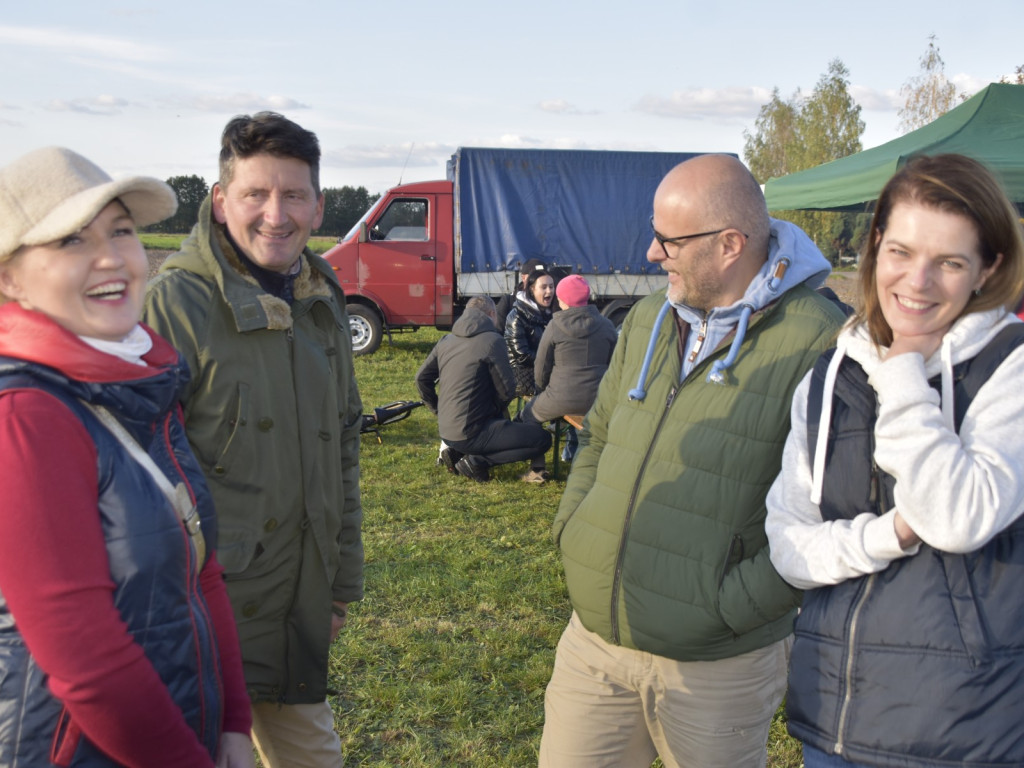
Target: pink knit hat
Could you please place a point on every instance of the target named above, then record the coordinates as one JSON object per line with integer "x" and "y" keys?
{"x": 573, "y": 290}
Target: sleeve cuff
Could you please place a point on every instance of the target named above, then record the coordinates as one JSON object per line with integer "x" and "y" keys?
{"x": 881, "y": 542}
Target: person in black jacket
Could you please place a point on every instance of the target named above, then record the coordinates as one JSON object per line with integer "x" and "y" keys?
{"x": 504, "y": 305}
{"x": 467, "y": 382}
{"x": 525, "y": 325}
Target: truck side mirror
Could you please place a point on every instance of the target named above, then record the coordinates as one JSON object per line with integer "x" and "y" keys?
{"x": 363, "y": 237}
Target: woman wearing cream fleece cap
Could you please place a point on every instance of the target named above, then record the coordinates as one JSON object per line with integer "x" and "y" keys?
{"x": 117, "y": 642}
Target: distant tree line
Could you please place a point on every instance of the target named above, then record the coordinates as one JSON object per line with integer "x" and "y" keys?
{"x": 803, "y": 131}
{"x": 343, "y": 207}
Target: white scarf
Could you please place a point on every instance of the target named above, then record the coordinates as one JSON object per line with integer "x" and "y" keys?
{"x": 131, "y": 348}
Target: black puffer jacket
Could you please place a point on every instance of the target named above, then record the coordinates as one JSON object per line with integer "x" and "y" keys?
{"x": 523, "y": 329}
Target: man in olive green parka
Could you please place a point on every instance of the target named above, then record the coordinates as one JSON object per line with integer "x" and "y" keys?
{"x": 273, "y": 415}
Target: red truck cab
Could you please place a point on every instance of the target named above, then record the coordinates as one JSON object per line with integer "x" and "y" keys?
{"x": 395, "y": 265}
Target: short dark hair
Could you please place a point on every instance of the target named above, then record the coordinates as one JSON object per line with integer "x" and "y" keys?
{"x": 483, "y": 303}
{"x": 267, "y": 133}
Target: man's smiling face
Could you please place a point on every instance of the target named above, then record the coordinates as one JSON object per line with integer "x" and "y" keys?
{"x": 270, "y": 208}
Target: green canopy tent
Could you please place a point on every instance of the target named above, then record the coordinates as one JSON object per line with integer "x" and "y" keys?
{"x": 988, "y": 127}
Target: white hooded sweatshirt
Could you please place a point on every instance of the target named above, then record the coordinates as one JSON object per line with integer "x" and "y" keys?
{"x": 956, "y": 492}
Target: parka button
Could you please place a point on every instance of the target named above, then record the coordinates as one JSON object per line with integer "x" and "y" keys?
{"x": 266, "y": 424}
{"x": 324, "y": 434}
{"x": 270, "y": 525}
{"x": 302, "y": 687}
{"x": 219, "y": 470}
{"x": 249, "y": 610}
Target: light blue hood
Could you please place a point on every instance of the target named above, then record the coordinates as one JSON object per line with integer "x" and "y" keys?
{"x": 793, "y": 258}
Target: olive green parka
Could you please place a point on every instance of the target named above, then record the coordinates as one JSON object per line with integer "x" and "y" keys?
{"x": 273, "y": 415}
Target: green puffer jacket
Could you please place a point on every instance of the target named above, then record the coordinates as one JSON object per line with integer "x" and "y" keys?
{"x": 661, "y": 526}
{"x": 273, "y": 414}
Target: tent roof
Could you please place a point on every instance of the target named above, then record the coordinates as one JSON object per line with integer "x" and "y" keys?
{"x": 988, "y": 127}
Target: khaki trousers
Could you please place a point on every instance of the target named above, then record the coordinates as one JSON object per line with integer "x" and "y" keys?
{"x": 613, "y": 707}
{"x": 296, "y": 735}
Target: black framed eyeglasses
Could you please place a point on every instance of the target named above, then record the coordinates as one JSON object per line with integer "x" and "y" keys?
{"x": 682, "y": 238}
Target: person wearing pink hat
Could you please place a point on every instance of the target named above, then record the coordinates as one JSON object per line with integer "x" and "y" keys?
{"x": 119, "y": 647}
{"x": 572, "y": 357}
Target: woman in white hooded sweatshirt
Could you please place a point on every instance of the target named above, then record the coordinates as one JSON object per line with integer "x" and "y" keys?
{"x": 898, "y": 508}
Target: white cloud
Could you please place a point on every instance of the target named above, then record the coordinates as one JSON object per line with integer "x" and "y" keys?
{"x": 969, "y": 84}
{"x": 563, "y": 107}
{"x": 68, "y": 42}
{"x": 388, "y": 155}
{"x": 874, "y": 100}
{"x": 97, "y": 105}
{"x": 239, "y": 102}
{"x": 707, "y": 103}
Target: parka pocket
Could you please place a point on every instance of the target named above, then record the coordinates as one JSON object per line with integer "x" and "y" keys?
{"x": 235, "y": 432}
{"x": 236, "y": 548}
{"x": 969, "y": 622}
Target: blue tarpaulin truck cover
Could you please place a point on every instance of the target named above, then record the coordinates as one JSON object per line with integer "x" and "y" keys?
{"x": 585, "y": 209}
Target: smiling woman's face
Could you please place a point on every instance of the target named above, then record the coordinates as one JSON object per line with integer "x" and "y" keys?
{"x": 92, "y": 282}
{"x": 929, "y": 262}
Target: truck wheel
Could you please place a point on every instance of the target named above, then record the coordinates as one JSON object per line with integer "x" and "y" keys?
{"x": 366, "y": 329}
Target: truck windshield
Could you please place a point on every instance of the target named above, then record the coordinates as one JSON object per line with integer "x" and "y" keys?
{"x": 364, "y": 217}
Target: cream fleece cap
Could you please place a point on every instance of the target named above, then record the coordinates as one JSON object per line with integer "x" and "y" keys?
{"x": 53, "y": 192}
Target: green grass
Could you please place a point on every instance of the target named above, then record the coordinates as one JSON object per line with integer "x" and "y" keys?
{"x": 161, "y": 242}
{"x": 444, "y": 662}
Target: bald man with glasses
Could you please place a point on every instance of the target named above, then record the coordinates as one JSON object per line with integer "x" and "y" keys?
{"x": 680, "y": 633}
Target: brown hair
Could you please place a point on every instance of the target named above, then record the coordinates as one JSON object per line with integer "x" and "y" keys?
{"x": 267, "y": 133}
{"x": 959, "y": 185}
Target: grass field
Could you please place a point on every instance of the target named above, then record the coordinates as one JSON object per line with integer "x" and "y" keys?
{"x": 445, "y": 661}
{"x": 173, "y": 242}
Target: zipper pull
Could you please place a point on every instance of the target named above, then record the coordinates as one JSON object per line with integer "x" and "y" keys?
{"x": 875, "y": 493}
{"x": 701, "y": 334}
{"x": 671, "y": 397}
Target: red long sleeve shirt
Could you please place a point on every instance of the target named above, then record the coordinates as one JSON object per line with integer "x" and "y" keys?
{"x": 54, "y": 574}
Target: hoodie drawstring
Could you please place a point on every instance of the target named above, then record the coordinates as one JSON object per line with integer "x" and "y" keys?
{"x": 717, "y": 373}
{"x": 947, "y": 383}
{"x": 824, "y": 422}
{"x": 640, "y": 391}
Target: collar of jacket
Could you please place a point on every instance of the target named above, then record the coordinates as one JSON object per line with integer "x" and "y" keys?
{"x": 207, "y": 253}
{"x": 253, "y": 307}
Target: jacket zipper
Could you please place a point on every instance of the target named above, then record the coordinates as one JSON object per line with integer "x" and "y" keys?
{"x": 875, "y": 497}
{"x": 624, "y": 536}
{"x": 192, "y": 587}
{"x": 848, "y": 671}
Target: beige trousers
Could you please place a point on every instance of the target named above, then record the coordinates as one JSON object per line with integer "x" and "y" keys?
{"x": 296, "y": 735}
{"x": 613, "y": 707}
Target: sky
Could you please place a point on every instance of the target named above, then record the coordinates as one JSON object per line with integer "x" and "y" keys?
{"x": 392, "y": 88}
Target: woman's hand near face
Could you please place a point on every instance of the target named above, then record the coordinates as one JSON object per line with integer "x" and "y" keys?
{"x": 926, "y": 344}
